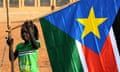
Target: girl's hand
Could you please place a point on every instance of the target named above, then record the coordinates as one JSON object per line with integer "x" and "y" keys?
{"x": 29, "y": 26}
{"x": 10, "y": 41}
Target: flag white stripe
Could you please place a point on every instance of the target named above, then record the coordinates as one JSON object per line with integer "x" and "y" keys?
{"x": 82, "y": 57}
{"x": 115, "y": 49}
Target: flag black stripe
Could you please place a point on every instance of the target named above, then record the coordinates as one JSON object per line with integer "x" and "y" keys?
{"x": 116, "y": 29}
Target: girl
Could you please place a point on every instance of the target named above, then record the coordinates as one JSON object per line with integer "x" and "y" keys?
{"x": 27, "y": 51}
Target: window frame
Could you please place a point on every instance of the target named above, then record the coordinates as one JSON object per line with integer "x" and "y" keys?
{"x": 2, "y": 3}
{"x": 14, "y": 5}
{"x": 34, "y": 4}
{"x": 58, "y": 5}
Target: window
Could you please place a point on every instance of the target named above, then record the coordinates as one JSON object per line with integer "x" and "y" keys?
{"x": 29, "y": 2}
{"x": 14, "y": 3}
{"x": 45, "y": 2}
{"x": 61, "y": 2}
{"x": 1, "y": 3}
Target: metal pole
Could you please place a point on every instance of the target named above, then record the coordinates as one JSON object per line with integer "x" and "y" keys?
{"x": 9, "y": 36}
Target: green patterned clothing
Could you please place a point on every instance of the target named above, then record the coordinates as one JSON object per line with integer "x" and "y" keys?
{"x": 27, "y": 57}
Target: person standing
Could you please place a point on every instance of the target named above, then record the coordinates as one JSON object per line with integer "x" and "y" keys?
{"x": 27, "y": 51}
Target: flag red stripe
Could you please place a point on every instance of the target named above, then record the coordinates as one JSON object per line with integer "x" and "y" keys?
{"x": 104, "y": 62}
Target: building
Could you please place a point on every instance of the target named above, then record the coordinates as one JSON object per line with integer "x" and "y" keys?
{"x": 29, "y": 9}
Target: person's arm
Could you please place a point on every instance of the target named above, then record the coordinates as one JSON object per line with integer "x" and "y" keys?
{"x": 15, "y": 54}
{"x": 32, "y": 38}
{"x": 14, "y": 57}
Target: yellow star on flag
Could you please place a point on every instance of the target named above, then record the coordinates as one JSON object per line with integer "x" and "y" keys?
{"x": 91, "y": 24}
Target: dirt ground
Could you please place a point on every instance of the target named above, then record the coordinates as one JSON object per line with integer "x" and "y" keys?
{"x": 43, "y": 60}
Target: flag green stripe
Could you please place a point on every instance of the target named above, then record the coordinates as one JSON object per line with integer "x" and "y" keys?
{"x": 62, "y": 49}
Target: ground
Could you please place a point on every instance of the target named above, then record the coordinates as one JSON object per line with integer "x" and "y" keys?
{"x": 43, "y": 60}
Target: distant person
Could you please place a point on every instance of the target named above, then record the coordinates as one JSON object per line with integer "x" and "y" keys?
{"x": 27, "y": 51}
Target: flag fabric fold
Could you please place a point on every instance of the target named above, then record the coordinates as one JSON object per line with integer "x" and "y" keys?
{"x": 116, "y": 29}
{"x": 77, "y": 37}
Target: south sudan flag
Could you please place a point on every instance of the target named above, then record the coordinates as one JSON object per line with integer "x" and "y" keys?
{"x": 80, "y": 37}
